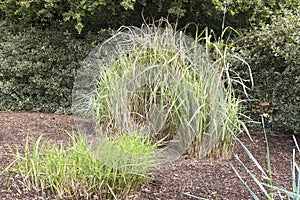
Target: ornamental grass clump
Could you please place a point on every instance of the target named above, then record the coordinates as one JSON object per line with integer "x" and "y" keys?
{"x": 75, "y": 170}
{"x": 162, "y": 83}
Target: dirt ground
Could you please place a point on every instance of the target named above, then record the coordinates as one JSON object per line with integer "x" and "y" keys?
{"x": 206, "y": 178}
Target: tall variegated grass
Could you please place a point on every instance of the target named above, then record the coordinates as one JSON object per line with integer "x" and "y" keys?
{"x": 110, "y": 169}
{"x": 171, "y": 86}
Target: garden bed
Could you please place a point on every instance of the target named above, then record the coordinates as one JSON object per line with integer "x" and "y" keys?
{"x": 207, "y": 177}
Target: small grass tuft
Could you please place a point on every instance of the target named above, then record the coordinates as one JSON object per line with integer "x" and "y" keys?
{"x": 110, "y": 170}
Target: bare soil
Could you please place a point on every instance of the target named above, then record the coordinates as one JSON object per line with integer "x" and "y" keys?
{"x": 207, "y": 177}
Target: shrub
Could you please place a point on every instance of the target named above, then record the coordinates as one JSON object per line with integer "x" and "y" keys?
{"x": 273, "y": 52}
{"x": 249, "y": 14}
{"x": 37, "y": 68}
{"x": 88, "y": 15}
{"x": 43, "y": 13}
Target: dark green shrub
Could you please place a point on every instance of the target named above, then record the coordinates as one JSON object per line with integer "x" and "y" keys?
{"x": 273, "y": 52}
{"x": 45, "y": 13}
{"x": 37, "y": 68}
{"x": 88, "y": 15}
{"x": 247, "y": 14}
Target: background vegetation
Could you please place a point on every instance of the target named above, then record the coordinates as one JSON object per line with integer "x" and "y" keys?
{"x": 89, "y": 15}
{"x": 273, "y": 52}
{"x": 43, "y": 43}
{"x": 38, "y": 67}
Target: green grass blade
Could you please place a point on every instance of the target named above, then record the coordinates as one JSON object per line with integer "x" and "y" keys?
{"x": 245, "y": 184}
{"x": 258, "y": 182}
{"x": 193, "y": 196}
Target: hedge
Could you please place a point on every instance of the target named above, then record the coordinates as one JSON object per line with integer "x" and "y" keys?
{"x": 273, "y": 52}
{"x": 87, "y": 15}
{"x": 37, "y": 68}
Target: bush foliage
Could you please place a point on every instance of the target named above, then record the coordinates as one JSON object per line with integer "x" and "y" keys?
{"x": 91, "y": 15}
{"x": 37, "y": 68}
{"x": 273, "y": 52}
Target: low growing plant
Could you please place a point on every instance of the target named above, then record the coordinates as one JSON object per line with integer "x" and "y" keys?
{"x": 110, "y": 169}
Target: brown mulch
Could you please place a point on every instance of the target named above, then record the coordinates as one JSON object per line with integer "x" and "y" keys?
{"x": 207, "y": 177}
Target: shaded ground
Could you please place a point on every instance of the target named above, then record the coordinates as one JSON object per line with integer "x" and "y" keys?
{"x": 209, "y": 178}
